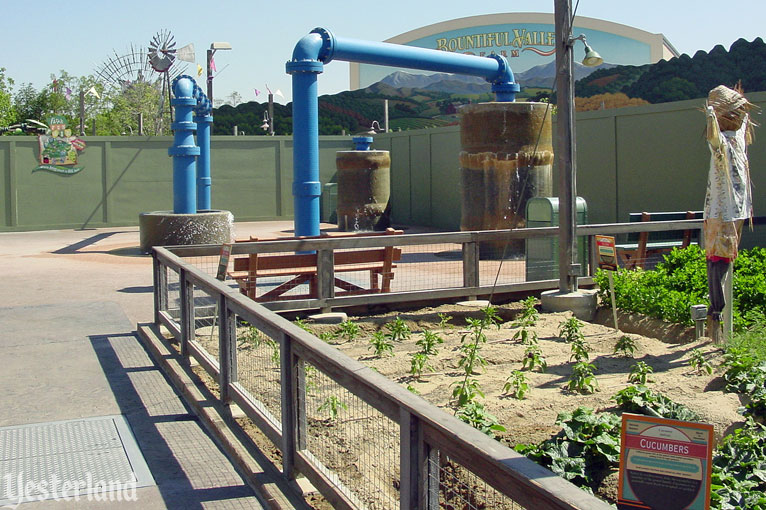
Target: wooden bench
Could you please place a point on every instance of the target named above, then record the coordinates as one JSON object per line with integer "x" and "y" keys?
{"x": 641, "y": 245}
{"x": 302, "y": 268}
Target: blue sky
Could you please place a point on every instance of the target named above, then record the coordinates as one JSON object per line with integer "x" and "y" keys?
{"x": 42, "y": 37}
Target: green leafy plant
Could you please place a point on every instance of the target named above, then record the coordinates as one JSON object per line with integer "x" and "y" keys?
{"x": 467, "y": 389}
{"x": 398, "y": 330}
{"x": 746, "y": 374}
{"x": 310, "y": 374}
{"x": 533, "y": 357}
{"x": 516, "y": 385}
{"x": 639, "y": 373}
{"x": 419, "y": 364}
{"x": 332, "y": 405}
{"x": 739, "y": 469}
{"x": 428, "y": 343}
{"x": 680, "y": 281}
{"x": 699, "y": 363}
{"x": 412, "y": 389}
{"x": 301, "y": 323}
{"x": 583, "y": 379}
{"x": 476, "y": 415}
{"x": 571, "y": 329}
{"x": 257, "y": 339}
{"x": 381, "y": 344}
{"x": 640, "y": 399}
{"x": 491, "y": 317}
{"x": 348, "y": 330}
{"x": 626, "y": 346}
{"x": 526, "y": 320}
{"x": 580, "y": 350}
{"x": 326, "y": 336}
{"x": 470, "y": 359}
{"x": 444, "y": 321}
{"x": 588, "y": 443}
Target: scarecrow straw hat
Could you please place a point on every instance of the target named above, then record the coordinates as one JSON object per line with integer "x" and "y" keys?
{"x": 731, "y": 108}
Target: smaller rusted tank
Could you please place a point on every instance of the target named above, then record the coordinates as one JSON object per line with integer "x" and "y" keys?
{"x": 364, "y": 188}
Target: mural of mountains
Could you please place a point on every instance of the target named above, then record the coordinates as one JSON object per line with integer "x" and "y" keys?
{"x": 538, "y": 76}
{"x": 418, "y": 101}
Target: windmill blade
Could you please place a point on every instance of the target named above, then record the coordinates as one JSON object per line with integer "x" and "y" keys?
{"x": 186, "y": 53}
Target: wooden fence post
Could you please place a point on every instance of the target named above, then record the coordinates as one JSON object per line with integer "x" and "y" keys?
{"x": 289, "y": 371}
{"x": 160, "y": 272}
{"x": 227, "y": 348}
{"x": 187, "y": 312}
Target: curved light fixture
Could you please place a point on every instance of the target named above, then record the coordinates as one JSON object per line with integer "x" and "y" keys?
{"x": 592, "y": 58}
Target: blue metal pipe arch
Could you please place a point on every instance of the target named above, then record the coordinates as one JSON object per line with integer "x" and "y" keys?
{"x": 321, "y": 47}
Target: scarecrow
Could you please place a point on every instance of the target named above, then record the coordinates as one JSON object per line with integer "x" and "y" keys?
{"x": 728, "y": 201}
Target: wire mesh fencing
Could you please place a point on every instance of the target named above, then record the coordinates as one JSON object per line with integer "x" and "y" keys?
{"x": 460, "y": 488}
{"x": 258, "y": 369}
{"x": 355, "y": 446}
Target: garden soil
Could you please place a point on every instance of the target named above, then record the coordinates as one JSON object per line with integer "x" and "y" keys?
{"x": 665, "y": 347}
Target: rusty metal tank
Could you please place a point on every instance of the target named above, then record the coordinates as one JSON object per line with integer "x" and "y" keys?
{"x": 506, "y": 159}
{"x": 364, "y": 188}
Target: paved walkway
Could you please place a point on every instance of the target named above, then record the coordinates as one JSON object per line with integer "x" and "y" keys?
{"x": 69, "y": 304}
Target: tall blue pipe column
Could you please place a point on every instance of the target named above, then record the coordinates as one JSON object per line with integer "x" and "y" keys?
{"x": 306, "y": 185}
{"x": 320, "y": 47}
{"x": 203, "y": 162}
{"x": 184, "y": 150}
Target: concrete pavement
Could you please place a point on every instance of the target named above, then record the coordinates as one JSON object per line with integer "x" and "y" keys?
{"x": 69, "y": 304}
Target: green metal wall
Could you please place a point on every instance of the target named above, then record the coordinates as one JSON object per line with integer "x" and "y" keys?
{"x": 650, "y": 158}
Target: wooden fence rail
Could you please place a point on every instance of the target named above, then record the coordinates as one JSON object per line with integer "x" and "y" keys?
{"x": 426, "y": 433}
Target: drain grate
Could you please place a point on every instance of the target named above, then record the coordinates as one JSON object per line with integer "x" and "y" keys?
{"x": 95, "y": 457}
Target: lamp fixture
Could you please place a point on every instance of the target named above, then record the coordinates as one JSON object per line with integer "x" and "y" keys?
{"x": 592, "y": 58}
{"x": 266, "y": 121}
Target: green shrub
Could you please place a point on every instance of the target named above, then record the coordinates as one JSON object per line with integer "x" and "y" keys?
{"x": 680, "y": 281}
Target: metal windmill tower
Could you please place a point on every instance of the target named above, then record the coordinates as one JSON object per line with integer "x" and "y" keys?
{"x": 123, "y": 71}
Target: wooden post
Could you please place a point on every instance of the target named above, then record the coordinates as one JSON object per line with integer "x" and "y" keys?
{"x": 289, "y": 370}
{"x": 227, "y": 348}
{"x": 187, "y": 312}
{"x": 325, "y": 274}
{"x": 413, "y": 461}
{"x": 160, "y": 287}
{"x": 471, "y": 264}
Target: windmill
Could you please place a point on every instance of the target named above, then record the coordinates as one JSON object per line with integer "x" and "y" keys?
{"x": 162, "y": 55}
{"x": 122, "y": 71}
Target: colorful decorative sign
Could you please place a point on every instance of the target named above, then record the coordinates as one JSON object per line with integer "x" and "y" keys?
{"x": 223, "y": 261}
{"x": 664, "y": 464}
{"x": 607, "y": 255}
{"x": 58, "y": 148}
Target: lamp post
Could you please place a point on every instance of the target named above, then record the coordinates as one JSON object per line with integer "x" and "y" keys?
{"x": 213, "y": 48}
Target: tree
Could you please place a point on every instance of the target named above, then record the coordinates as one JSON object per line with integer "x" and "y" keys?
{"x": 7, "y": 112}
{"x": 126, "y": 104}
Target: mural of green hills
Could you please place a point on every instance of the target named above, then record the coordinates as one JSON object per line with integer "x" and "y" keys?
{"x": 435, "y": 103}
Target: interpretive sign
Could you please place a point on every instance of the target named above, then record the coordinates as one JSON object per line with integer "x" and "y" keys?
{"x": 223, "y": 262}
{"x": 664, "y": 464}
{"x": 607, "y": 255}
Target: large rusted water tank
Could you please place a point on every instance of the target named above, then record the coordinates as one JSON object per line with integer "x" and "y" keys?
{"x": 506, "y": 158}
{"x": 364, "y": 187}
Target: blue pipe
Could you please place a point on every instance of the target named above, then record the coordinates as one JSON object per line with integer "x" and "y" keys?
{"x": 204, "y": 125}
{"x": 183, "y": 150}
{"x": 320, "y": 47}
{"x": 202, "y": 109}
